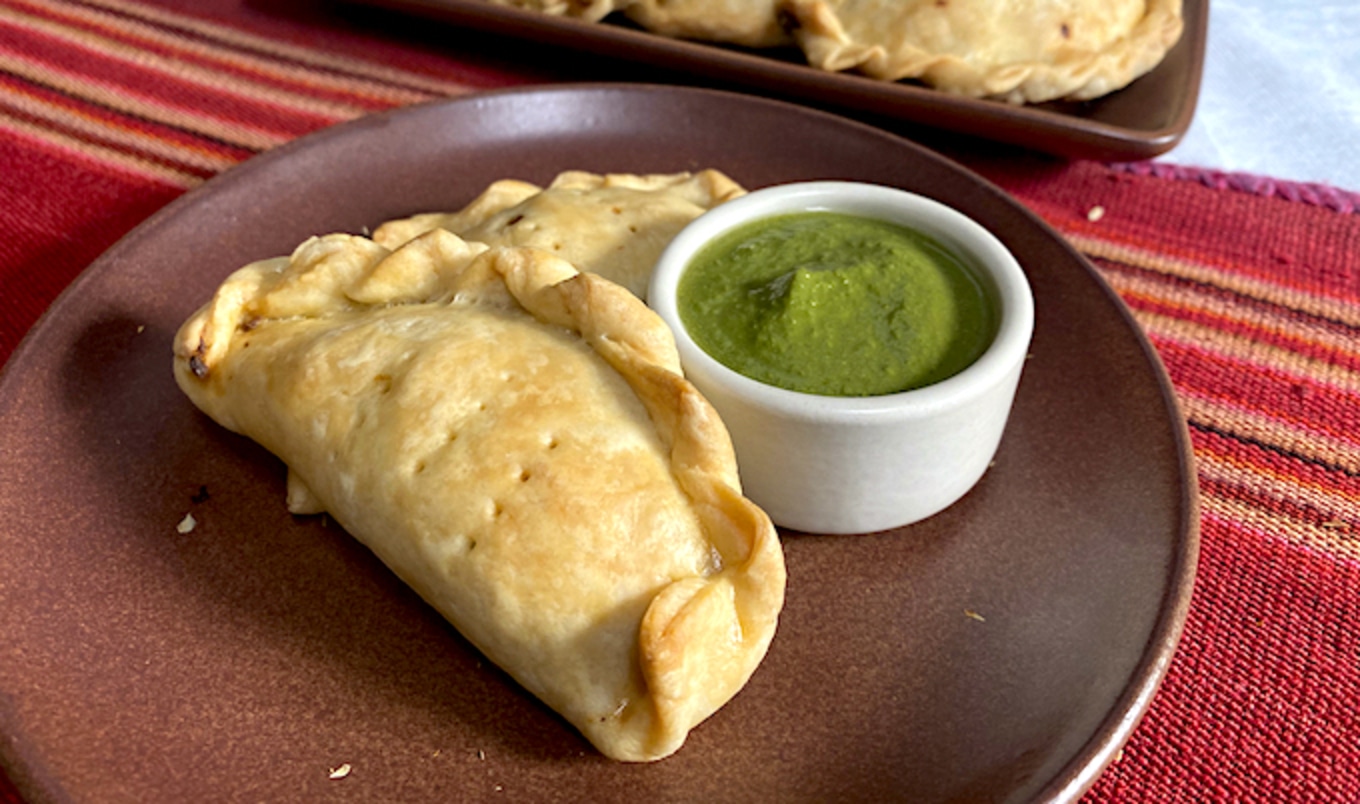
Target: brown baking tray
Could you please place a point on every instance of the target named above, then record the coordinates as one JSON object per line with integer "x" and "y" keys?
{"x": 1145, "y": 119}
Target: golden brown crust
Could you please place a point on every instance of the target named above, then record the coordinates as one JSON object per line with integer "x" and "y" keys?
{"x": 1028, "y": 51}
{"x": 1021, "y": 51}
{"x": 587, "y": 10}
{"x": 514, "y": 439}
{"x": 497, "y": 196}
{"x": 614, "y": 225}
{"x": 751, "y": 23}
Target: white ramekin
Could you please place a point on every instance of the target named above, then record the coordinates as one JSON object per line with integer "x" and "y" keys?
{"x": 826, "y": 464}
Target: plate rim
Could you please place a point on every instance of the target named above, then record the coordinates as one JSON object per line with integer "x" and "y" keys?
{"x": 1085, "y": 766}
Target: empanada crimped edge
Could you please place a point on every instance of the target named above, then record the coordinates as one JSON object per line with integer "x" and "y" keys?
{"x": 1071, "y": 74}
{"x": 701, "y": 637}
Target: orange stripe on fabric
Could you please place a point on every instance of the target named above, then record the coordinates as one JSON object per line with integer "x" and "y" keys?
{"x": 194, "y": 141}
{"x": 1106, "y": 247}
{"x": 140, "y": 167}
{"x": 44, "y": 110}
{"x": 166, "y": 88}
{"x": 244, "y": 64}
{"x": 124, "y": 100}
{"x": 1312, "y": 337}
{"x": 1269, "y": 524}
{"x": 1285, "y": 255}
{"x": 1341, "y": 453}
{"x": 306, "y": 56}
{"x": 1309, "y": 408}
{"x": 182, "y": 71}
{"x": 1237, "y": 388}
{"x": 1287, "y": 365}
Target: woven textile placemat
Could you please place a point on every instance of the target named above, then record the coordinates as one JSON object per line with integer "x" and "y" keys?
{"x": 1249, "y": 289}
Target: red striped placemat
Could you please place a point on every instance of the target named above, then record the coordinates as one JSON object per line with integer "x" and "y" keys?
{"x": 1253, "y": 303}
{"x": 1248, "y": 287}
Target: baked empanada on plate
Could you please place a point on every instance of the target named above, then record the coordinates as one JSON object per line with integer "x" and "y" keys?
{"x": 515, "y": 441}
{"x": 613, "y": 225}
{"x": 1016, "y": 50}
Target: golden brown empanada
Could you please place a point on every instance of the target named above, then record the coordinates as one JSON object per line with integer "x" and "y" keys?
{"x": 739, "y": 22}
{"x": 752, "y": 23}
{"x": 587, "y": 10}
{"x": 1017, "y": 50}
{"x": 513, "y": 439}
{"x": 613, "y": 225}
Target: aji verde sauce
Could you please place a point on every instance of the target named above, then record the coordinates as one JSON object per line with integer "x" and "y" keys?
{"x": 834, "y": 304}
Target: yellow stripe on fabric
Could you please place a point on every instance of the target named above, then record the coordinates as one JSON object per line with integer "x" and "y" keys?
{"x": 1293, "y": 298}
{"x": 1196, "y": 299}
{"x": 1236, "y": 347}
{"x": 100, "y": 128}
{"x": 1264, "y": 429}
{"x": 247, "y": 62}
{"x": 1333, "y": 542}
{"x": 317, "y": 58}
{"x": 140, "y": 167}
{"x": 120, "y": 99}
{"x": 185, "y": 72}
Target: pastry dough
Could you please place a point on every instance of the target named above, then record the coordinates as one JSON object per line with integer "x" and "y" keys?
{"x": 513, "y": 439}
{"x": 587, "y": 10}
{"x": 613, "y": 225}
{"x": 1016, "y": 50}
{"x": 752, "y": 23}
{"x": 738, "y": 22}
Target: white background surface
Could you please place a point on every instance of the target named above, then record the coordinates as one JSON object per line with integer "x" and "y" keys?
{"x": 1280, "y": 95}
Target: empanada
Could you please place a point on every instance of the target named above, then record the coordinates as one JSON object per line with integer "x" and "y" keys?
{"x": 513, "y": 439}
{"x": 752, "y": 23}
{"x": 1016, "y": 50}
{"x": 587, "y": 10}
{"x": 613, "y": 225}
{"x": 738, "y": 22}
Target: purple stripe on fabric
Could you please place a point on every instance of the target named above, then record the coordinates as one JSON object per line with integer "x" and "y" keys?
{"x": 1322, "y": 195}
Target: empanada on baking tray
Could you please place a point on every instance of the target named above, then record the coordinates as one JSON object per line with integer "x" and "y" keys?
{"x": 614, "y": 225}
{"x": 751, "y": 23}
{"x": 587, "y": 10}
{"x": 1017, "y": 50}
{"x": 515, "y": 441}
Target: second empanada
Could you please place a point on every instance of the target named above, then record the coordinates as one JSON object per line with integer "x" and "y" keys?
{"x": 613, "y": 225}
{"x": 752, "y": 23}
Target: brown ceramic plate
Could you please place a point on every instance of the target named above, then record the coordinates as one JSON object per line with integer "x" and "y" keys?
{"x": 1144, "y": 119}
{"x": 1000, "y": 651}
